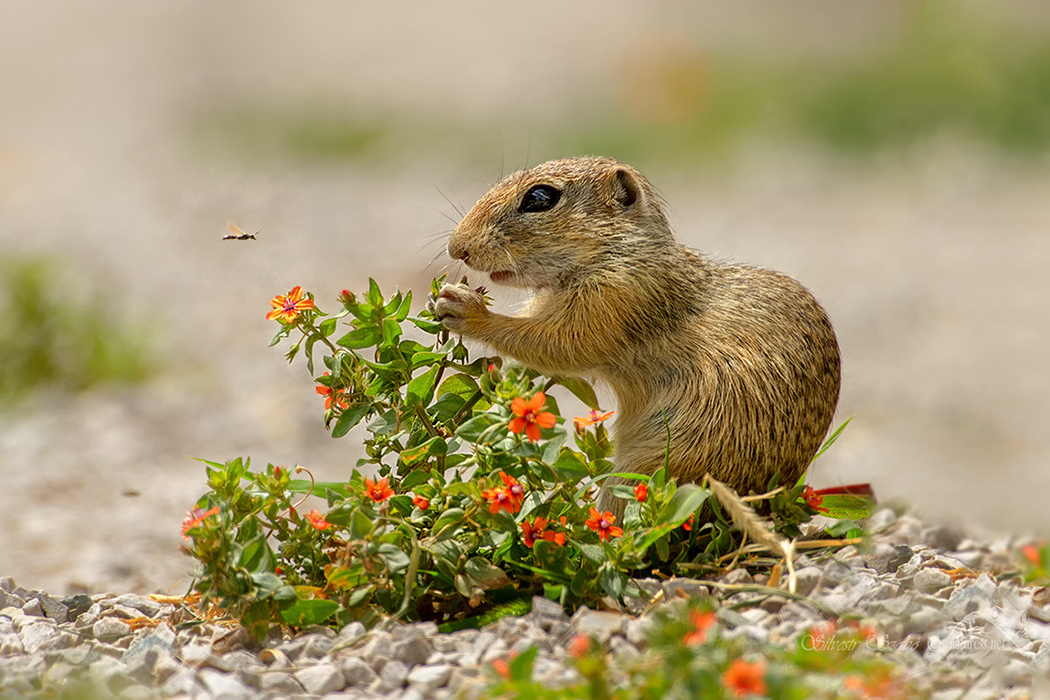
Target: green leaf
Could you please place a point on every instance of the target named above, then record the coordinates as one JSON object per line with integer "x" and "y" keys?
{"x": 446, "y": 524}
{"x": 592, "y": 553}
{"x": 349, "y": 418}
{"x": 686, "y": 500}
{"x": 305, "y": 613}
{"x": 420, "y": 391}
{"x": 484, "y": 574}
{"x": 396, "y": 559}
{"x": 385, "y": 424}
{"x": 405, "y": 308}
{"x": 613, "y": 580}
{"x": 472, "y": 429}
{"x": 394, "y": 305}
{"x": 426, "y": 324}
{"x": 391, "y": 331}
{"x": 521, "y": 666}
{"x": 434, "y": 446}
{"x": 327, "y": 326}
{"x": 415, "y": 478}
{"x": 361, "y": 338}
{"x": 427, "y": 357}
{"x": 831, "y": 440}
{"x": 581, "y": 389}
{"x": 569, "y": 466}
{"x": 375, "y": 297}
{"x": 846, "y": 505}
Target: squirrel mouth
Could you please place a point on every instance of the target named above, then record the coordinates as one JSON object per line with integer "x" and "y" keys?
{"x": 500, "y": 276}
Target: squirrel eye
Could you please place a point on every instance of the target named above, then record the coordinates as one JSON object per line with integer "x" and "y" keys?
{"x": 539, "y": 198}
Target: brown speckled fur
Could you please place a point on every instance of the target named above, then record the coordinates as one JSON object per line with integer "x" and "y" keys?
{"x": 741, "y": 361}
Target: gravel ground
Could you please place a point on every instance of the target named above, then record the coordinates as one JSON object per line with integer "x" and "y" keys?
{"x": 930, "y": 592}
{"x": 932, "y": 266}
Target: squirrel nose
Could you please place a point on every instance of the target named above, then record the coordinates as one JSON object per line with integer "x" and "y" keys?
{"x": 458, "y": 251}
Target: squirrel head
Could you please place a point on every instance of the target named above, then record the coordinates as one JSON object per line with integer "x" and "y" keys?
{"x": 539, "y": 228}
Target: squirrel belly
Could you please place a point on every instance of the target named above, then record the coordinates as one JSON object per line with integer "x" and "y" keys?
{"x": 740, "y": 364}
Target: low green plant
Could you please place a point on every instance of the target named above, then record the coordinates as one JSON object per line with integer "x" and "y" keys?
{"x": 690, "y": 657}
{"x": 56, "y": 337}
{"x": 480, "y": 499}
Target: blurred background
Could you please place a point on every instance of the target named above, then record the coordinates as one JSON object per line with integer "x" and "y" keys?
{"x": 890, "y": 154}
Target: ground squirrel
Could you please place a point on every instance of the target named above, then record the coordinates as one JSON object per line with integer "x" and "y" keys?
{"x": 741, "y": 363}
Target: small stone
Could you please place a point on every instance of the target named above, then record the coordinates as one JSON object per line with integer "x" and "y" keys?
{"x": 279, "y": 683}
{"x": 110, "y": 628}
{"x": 76, "y": 605}
{"x": 461, "y": 675}
{"x": 908, "y": 530}
{"x": 427, "y": 679}
{"x": 182, "y": 682}
{"x": 354, "y": 629}
{"x": 317, "y": 645}
{"x": 378, "y": 650}
{"x": 545, "y": 612}
{"x": 881, "y": 519}
{"x": 637, "y": 632}
{"x": 146, "y": 606}
{"x": 356, "y": 672}
{"x": 942, "y": 537}
{"x": 35, "y": 635}
{"x": 929, "y": 580}
{"x": 738, "y": 577}
{"x": 10, "y": 600}
{"x": 599, "y": 625}
{"x": 498, "y": 650}
{"x": 7, "y": 584}
{"x": 321, "y": 679}
{"x": 413, "y": 651}
{"x": 394, "y": 675}
{"x": 772, "y": 604}
{"x": 33, "y": 607}
{"x": 835, "y": 572}
{"x": 806, "y": 580}
{"x": 223, "y": 686}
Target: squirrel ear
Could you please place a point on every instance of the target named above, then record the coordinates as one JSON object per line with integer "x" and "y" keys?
{"x": 626, "y": 190}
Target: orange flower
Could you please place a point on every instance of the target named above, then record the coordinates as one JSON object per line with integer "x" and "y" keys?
{"x": 813, "y": 500}
{"x": 501, "y": 667}
{"x": 592, "y": 418}
{"x": 194, "y": 518}
{"x": 602, "y": 523}
{"x": 688, "y": 524}
{"x": 317, "y": 520}
{"x": 745, "y": 679}
{"x": 641, "y": 492}
{"x": 579, "y": 646}
{"x": 501, "y": 498}
{"x": 530, "y": 416}
{"x": 702, "y": 621}
{"x": 286, "y": 308}
{"x": 516, "y": 490}
{"x": 1032, "y": 554}
{"x": 420, "y": 502}
{"x": 537, "y": 530}
{"x": 878, "y": 684}
{"x": 337, "y": 397}
{"x": 378, "y": 492}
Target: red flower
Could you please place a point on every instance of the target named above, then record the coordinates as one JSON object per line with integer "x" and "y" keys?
{"x": 592, "y": 418}
{"x": 641, "y": 492}
{"x": 420, "y": 502}
{"x": 317, "y": 520}
{"x": 530, "y": 416}
{"x": 537, "y": 530}
{"x": 701, "y": 622}
{"x": 745, "y": 679}
{"x": 194, "y": 518}
{"x": 688, "y": 524}
{"x": 378, "y": 492}
{"x": 813, "y": 500}
{"x": 330, "y": 397}
{"x": 602, "y": 523}
{"x": 287, "y": 308}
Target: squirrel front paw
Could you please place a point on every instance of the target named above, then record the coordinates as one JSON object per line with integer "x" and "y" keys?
{"x": 456, "y": 305}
